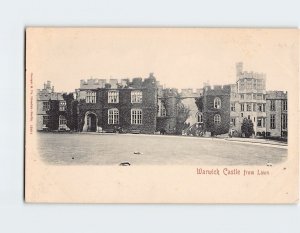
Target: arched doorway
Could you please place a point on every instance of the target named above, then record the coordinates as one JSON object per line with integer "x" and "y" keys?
{"x": 90, "y": 122}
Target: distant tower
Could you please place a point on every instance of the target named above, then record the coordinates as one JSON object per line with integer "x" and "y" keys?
{"x": 239, "y": 69}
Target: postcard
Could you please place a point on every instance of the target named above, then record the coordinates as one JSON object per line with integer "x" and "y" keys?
{"x": 161, "y": 115}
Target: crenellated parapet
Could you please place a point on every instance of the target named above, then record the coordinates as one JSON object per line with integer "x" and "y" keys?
{"x": 276, "y": 95}
{"x": 217, "y": 88}
{"x": 252, "y": 75}
{"x": 138, "y": 82}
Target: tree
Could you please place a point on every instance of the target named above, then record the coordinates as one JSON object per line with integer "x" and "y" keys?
{"x": 199, "y": 103}
{"x": 247, "y": 127}
{"x": 183, "y": 113}
{"x": 54, "y": 114}
{"x": 71, "y": 111}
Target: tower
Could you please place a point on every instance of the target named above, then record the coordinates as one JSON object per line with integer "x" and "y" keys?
{"x": 239, "y": 69}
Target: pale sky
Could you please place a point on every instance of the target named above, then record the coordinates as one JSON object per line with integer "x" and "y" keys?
{"x": 179, "y": 58}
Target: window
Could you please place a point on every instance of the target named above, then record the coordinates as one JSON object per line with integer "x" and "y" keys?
{"x": 264, "y": 107}
{"x": 242, "y": 107}
{"x": 46, "y": 106}
{"x": 233, "y": 107}
{"x": 248, "y": 85}
{"x": 248, "y": 107}
{"x": 62, "y": 105}
{"x": 249, "y": 117}
{"x": 46, "y": 120}
{"x": 264, "y": 122}
{"x": 217, "y": 119}
{"x": 161, "y": 109}
{"x": 113, "y": 97}
{"x": 254, "y": 107}
{"x": 113, "y": 116}
{"x": 199, "y": 116}
{"x": 259, "y": 107}
{"x": 136, "y": 116}
{"x": 254, "y": 96}
{"x": 217, "y": 103}
{"x": 242, "y": 96}
{"x": 259, "y": 122}
{"x": 242, "y": 114}
{"x": 136, "y": 96}
{"x": 259, "y": 97}
{"x": 272, "y": 105}
{"x": 284, "y": 107}
{"x": 233, "y": 121}
{"x": 284, "y": 121}
{"x": 62, "y": 120}
{"x": 259, "y": 84}
{"x": 242, "y": 85}
{"x": 248, "y": 96}
{"x": 90, "y": 97}
{"x": 272, "y": 121}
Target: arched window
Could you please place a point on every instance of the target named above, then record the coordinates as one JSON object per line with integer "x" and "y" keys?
{"x": 199, "y": 116}
{"x": 217, "y": 103}
{"x": 217, "y": 119}
{"x": 62, "y": 120}
{"x": 113, "y": 116}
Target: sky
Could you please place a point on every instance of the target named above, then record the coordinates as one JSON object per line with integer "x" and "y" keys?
{"x": 179, "y": 58}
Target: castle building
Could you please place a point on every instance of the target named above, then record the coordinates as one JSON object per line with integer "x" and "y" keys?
{"x": 45, "y": 99}
{"x": 216, "y": 109}
{"x": 277, "y": 114}
{"x": 248, "y": 100}
{"x": 177, "y": 109}
{"x": 130, "y": 106}
{"x": 144, "y": 106}
{"x": 167, "y": 110}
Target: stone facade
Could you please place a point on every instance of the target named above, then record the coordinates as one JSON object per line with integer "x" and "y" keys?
{"x": 248, "y": 100}
{"x": 216, "y": 109}
{"x": 45, "y": 99}
{"x": 144, "y": 106}
{"x": 167, "y": 108}
{"x": 110, "y": 106}
{"x": 277, "y": 114}
{"x": 170, "y": 104}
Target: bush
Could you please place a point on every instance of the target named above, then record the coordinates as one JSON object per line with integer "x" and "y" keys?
{"x": 247, "y": 128}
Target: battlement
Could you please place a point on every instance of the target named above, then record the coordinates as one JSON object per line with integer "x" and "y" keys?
{"x": 276, "y": 95}
{"x": 240, "y": 74}
{"x": 218, "y": 88}
{"x": 190, "y": 92}
{"x": 252, "y": 75}
{"x": 138, "y": 82}
{"x": 184, "y": 93}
